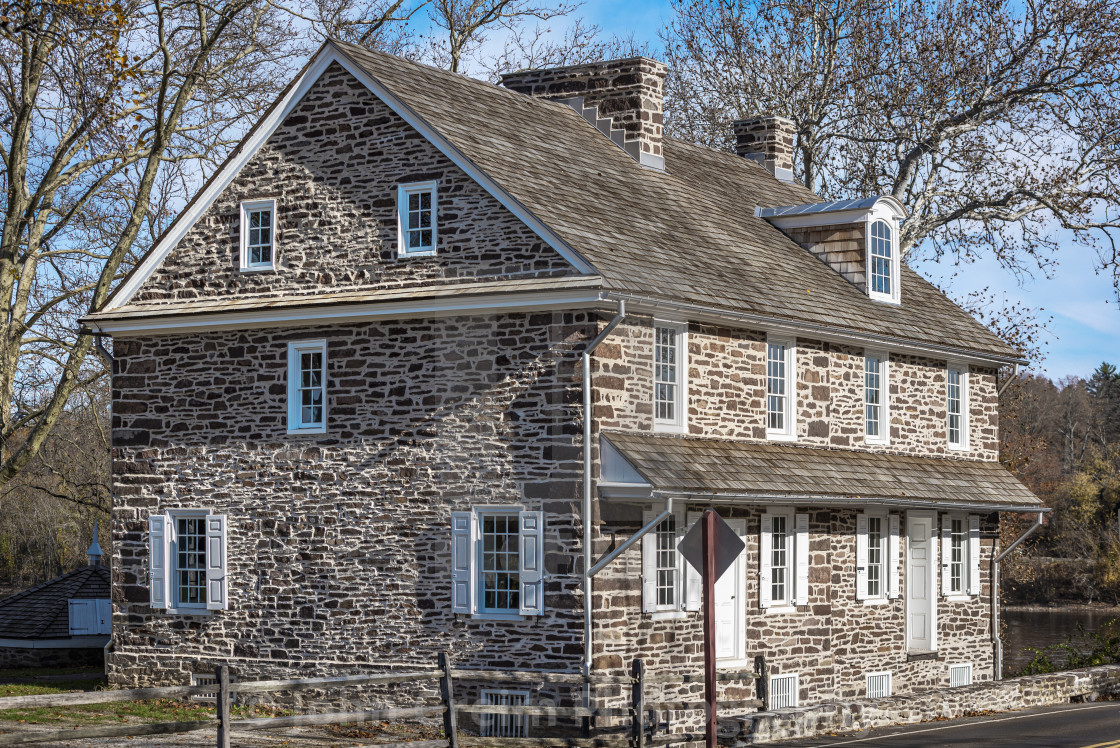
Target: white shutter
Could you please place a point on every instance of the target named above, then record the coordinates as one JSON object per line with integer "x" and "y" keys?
{"x": 693, "y": 584}
{"x": 861, "y": 556}
{"x": 531, "y": 551}
{"x": 973, "y": 554}
{"x": 649, "y": 565}
{"x": 462, "y": 562}
{"x": 217, "y": 585}
{"x": 765, "y": 556}
{"x": 946, "y": 554}
{"x": 82, "y": 617}
{"x": 801, "y": 522}
{"x": 895, "y": 557}
{"x": 104, "y": 616}
{"x": 159, "y": 543}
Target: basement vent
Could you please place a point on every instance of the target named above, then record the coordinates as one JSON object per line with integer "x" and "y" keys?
{"x": 878, "y": 685}
{"x": 960, "y": 675}
{"x": 504, "y": 725}
{"x": 783, "y": 691}
{"x": 204, "y": 679}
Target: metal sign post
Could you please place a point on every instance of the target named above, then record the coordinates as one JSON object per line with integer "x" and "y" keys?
{"x": 711, "y": 546}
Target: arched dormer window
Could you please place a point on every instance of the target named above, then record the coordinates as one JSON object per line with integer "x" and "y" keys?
{"x": 882, "y": 262}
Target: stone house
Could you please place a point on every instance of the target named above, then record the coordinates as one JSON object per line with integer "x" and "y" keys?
{"x": 431, "y": 364}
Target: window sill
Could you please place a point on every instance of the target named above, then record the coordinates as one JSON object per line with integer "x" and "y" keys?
{"x": 957, "y": 597}
{"x": 876, "y": 601}
{"x": 877, "y": 441}
{"x": 958, "y": 447}
{"x": 668, "y": 615}
{"x": 917, "y": 655}
{"x": 883, "y": 299}
{"x": 781, "y": 609}
{"x": 308, "y": 431}
{"x": 261, "y": 269}
{"x": 497, "y": 617}
{"x": 736, "y": 663}
{"x": 187, "y": 611}
{"x": 416, "y": 253}
{"x": 780, "y": 436}
{"x": 664, "y": 427}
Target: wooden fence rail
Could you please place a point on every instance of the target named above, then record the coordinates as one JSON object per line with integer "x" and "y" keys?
{"x": 640, "y": 735}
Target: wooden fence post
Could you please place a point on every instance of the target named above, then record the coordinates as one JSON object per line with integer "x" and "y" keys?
{"x": 447, "y": 692}
{"x": 638, "y": 703}
{"x": 221, "y": 675}
{"x": 762, "y": 683}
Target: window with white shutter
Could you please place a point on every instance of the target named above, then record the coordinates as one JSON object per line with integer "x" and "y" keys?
{"x": 873, "y": 555}
{"x": 783, "y": 559}
{"x": 497, "y": 562}
{"x": 187, "y": 561}
{"x": 664, "y": 570}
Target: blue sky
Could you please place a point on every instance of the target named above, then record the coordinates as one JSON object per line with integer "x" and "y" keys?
{"x": 1085, "y": 328}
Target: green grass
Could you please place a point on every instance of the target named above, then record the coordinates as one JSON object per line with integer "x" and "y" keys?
{"x": 32, "y": 689}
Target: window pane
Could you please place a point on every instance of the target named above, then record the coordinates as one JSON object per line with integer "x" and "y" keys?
{"x": 501, "y": 563}
{"x": 881, "y": 250}
{"x": 872, "y": 395}
{"x": 259, "y": 242}
{"x": 956, "y": 561}
{"x": 954, "y": 406}
{"x": 312, "y": 389}
{"x": 665, "y": 373}
{"x": 190, "y": 560}
{"x": 776, "y": 386}
{"x": 779, "y": 560}
{"x": 874, "y": 556}
{"x": 667, "y": 562}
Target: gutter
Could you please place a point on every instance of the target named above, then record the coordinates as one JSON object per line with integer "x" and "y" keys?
{"x": 997, "y": 643}
{"x": 587, "y": 529}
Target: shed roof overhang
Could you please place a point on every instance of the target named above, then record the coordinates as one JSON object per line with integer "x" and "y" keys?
{"x": 637, "y": 467}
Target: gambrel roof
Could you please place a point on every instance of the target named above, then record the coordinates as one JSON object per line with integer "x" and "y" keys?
{"x": 687, "y": 235}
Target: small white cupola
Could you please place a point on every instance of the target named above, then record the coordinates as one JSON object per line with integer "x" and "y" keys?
{"x": 857, "y": 238}
{"x": 94, "y": 554}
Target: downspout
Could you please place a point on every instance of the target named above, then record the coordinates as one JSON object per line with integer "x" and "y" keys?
{"x": 587, "y": 550}
{"x": 997, "y": 643}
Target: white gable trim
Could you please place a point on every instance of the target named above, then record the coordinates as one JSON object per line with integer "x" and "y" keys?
{"x": 318, "y": 65}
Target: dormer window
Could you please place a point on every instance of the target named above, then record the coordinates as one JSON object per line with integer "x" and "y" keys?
{"x": 882, "y": 262}
{"x": 416, "y": 219}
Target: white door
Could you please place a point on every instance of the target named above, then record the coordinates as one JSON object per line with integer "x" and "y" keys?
{"x": 731, "y": 606}
{"x": 921, "y": 600}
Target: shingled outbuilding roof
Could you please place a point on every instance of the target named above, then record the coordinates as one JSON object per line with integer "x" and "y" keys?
{"x": 43, "y": 612}
{"x": 687, "y": 235}
{"x": 746, "y": 471}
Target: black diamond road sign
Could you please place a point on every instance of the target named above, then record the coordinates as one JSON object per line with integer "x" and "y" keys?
{"x": 728, "y": 546}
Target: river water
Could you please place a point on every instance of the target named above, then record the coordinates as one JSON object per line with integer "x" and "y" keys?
{"x": 1039, "y": 628}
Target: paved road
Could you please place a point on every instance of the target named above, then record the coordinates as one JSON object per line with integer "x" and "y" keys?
{"x": 1068, "y": 726}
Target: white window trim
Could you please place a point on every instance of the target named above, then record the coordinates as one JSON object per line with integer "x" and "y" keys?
{"x": 867, "y": 683}
{"x": 295, "y": 348}
{"x": 244, "y": 222}
{"x": 789, "y": 433}
{"x": 797, "y": 586}
{"x": 467, "y": 566}
{"x": 970, "y": 558}
{"x": 962, "y": 445}
{"x": 403, "y": 191}
{"x": 479, "y": 613}
{"x": 885, "y": 214}
{"x": 173, "y": 606}
{"x": 677, "y": 610}
{"x": 884, "y": 580}
{"x": 953, "y": 666}
{"x": 678, "y": 425}
{"x": 884, "y": 436}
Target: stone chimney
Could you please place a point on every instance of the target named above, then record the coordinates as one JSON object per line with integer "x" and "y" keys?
{"x": 623, "y": 99}
{"x": 769, "y": 141}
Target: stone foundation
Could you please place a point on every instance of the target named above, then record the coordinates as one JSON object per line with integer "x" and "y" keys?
{"x": 863, "y": 714}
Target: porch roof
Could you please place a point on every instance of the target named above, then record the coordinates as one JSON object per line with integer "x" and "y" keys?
{"x": 745, "y": 472}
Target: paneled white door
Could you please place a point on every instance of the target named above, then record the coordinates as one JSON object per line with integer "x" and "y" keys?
{"x": 921, "y": 600}
{"x": 731, "y": 606}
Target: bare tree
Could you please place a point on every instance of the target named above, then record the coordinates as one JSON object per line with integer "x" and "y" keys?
{"x": 995, "y": 122}
{"x": 104, "y": 105}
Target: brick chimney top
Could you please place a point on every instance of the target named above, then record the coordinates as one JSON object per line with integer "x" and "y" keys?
{"x": 624, "y": 99}
{"x": 769, "y": 141}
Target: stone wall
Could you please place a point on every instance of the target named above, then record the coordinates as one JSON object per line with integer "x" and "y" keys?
{"x": 85, "y": 658}
{"x": 333, "y": 167}
{"x": 727, "y": 391}
{"x": 339, "y": 544}
{"x": 863, "y": 714}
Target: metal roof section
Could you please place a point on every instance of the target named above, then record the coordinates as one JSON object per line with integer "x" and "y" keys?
{"x": 862, "y": 204}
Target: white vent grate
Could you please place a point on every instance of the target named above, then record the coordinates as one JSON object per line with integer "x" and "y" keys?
{"x": 204, "y": 679}
{"x": 783, "y": 691}
{"x": 504, "y": 725}
{"x": 878, "y": 685}
{"x": 960, "y": 675}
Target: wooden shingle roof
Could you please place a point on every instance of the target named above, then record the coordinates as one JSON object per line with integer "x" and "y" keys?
{"x": 699, "y": 467}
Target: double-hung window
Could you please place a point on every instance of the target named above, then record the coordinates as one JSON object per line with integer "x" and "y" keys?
{"x": 258, "y": 235}
{"x": 669, "y": 585}
{"x": 960, "y": 554}
{"x": 956, "y": 406}
{"x": 877, "y": 556}
{"x": 307, "y": 387}
{"x": 497, "y": 562}
{"x": 783, "y": 559}
{"x": 670, "y": 382}
{"x": 187, "y": 561}
{"x": 416, "y": 219}
{"x": 882, "y": 261}
{"x": 876, "y": 388}
{"x": 781, "y": 393}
